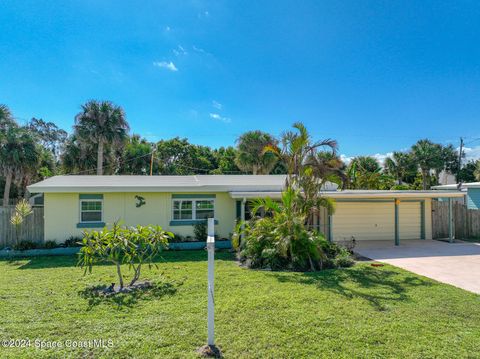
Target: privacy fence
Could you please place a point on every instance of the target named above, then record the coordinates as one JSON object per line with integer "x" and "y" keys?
{"x": 466, "y": 221}
{"x": 31, "y": 229}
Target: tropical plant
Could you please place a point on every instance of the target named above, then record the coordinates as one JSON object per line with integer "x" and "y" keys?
{"x": 18, "y": 156}
{"x": 428, "y": 156}
{"x": 467, "y": 172}
{"x": 137, "y": 157}
{"x": 399, "y": 165}
{"x": 251, "y": 155}
{"x": 101, "y": 124}
{"x": 364, "y": 172}
{"x": 281, "y": 237}
{"x": 48, "y": 134}
{"x": 477, "y": 170}
{"x": 280, "y": 240}
{"x": 22, "y": 211}
{"x": 6, "y": 119}
{"x": 200, "y": 231}
{"x": 310, "y": 164}
{"x": 133, "y": 246}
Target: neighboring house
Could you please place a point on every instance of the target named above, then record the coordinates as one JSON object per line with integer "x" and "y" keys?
{"x": 76, "y": 203}
{"x": 471, "y": 192}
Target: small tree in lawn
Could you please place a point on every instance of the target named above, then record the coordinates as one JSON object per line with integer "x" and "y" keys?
{"x": 134, "y": 246}
{"x": 22, "y": 211}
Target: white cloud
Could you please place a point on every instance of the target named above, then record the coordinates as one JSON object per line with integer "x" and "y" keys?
{"x": 380, "y": 157}
{"x": 166, "y": 65}
{"x": 198, "y": 49}
{"x": 217, "y": 105}
{"x": 217, "y": 117}
{"x": 179, "y": 50}
{"x": 471, "y": 153}
{"x": 346, "y": 159}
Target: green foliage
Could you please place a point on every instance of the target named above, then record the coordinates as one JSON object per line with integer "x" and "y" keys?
{"x": 50, "y": 244}
{"x": 281, "y": 240}
{"x": 402, "y": 187}
{"x": 25, "y": 245}
{"x": 133, "y": 246}
{"x": 101, "y": 125}
{"x": 468, "y": 172}
{"x": 73, "y": 241}
{"x": 22, "y": 211}
{"x": 200, "y": 231}
{"x": 251, "y": 156}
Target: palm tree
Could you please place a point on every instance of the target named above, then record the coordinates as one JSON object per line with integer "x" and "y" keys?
{"x": 18, "y": 155}
{"x": 100, "y": 124}
{"x": 251, "y": 156}
{"x": 6, "y": 118}
{"x": 399, "y": 165}
{"x": 476, "y": 173}
{"x": 428, "y": 156}
{"x": 307, "y": 167}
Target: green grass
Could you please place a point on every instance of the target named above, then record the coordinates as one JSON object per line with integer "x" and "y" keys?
{"x": 359, "y": 312}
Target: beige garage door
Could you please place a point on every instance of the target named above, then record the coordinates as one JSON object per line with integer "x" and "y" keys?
{"x": 364, "y": 221}
{"x": 410, "y": 220}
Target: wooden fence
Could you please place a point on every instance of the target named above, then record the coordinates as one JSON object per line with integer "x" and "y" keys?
{"x": 31, "y": 229}
{"x": 466, "y": 221}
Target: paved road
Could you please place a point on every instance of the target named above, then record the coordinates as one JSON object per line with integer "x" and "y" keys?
{"x": 457, "y": 264}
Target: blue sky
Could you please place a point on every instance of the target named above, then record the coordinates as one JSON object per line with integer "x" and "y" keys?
{"x": 375, "y": 75}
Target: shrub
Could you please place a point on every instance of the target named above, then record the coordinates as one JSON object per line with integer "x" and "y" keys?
{"x": 73, "y": 242}
{"x": 50, "y": 244}
{"x": 177, "y": 238}
{"x": 200, "y": 231}
{"x": 22, "y": 211}
{"x": 134, "y": 246}
{"x": 25, "y": 245}
{"x": 282, "y": 241}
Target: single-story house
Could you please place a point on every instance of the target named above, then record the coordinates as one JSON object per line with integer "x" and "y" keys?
{"x": 471, "y": 191}
{"x": 75, "y": 203}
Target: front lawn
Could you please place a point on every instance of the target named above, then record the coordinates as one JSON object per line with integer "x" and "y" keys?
{"x": 362, "y": 311}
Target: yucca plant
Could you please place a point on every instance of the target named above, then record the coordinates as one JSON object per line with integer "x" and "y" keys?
{"x": 23, "y": 209}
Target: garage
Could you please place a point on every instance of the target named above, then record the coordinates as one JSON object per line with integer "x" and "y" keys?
{"x": 364, "y": 220}
{"x": 410, "y": 215}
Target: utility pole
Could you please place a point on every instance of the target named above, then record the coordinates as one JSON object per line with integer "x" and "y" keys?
{"x": 151, "y": 162}
{"x": 460, "y": 155}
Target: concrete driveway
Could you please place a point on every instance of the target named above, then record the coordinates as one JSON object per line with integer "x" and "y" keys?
{"x": 457, "y": 264}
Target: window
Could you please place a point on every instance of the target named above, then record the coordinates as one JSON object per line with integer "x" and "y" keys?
{"x": 90, "y": 211}
{"x": 193, "y": 209}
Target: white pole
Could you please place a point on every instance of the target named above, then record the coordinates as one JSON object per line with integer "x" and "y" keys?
{"x": 211, "y": 302}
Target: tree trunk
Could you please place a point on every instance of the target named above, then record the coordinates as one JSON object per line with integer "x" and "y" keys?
{"x": 424, "y": 178}
{"x": 119, "y": 273}
{"x": 6, "y": 191}
{"x": 100, "y": 158}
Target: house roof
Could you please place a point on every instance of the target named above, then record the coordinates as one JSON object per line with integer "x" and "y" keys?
{"x": 198, "y": 183}
{"x": 456, "y": 185}
{"x": 349, "y": 194}
{"x": 239, "y": 186}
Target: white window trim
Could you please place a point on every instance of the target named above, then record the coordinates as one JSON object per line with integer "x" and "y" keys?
{"x": 194, "y": 208}
{"x": 80, "y": 210}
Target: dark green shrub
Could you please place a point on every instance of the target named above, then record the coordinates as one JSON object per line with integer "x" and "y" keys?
{"x": 177, "y": 238}
{"x": 25, "y": 245}
{"x": 200, "y": 231}
{"x": 50, "y": 244}
{"x": 73, "y": 241}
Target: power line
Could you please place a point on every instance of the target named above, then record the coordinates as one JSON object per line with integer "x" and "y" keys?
{"x": 110, "y": 165}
